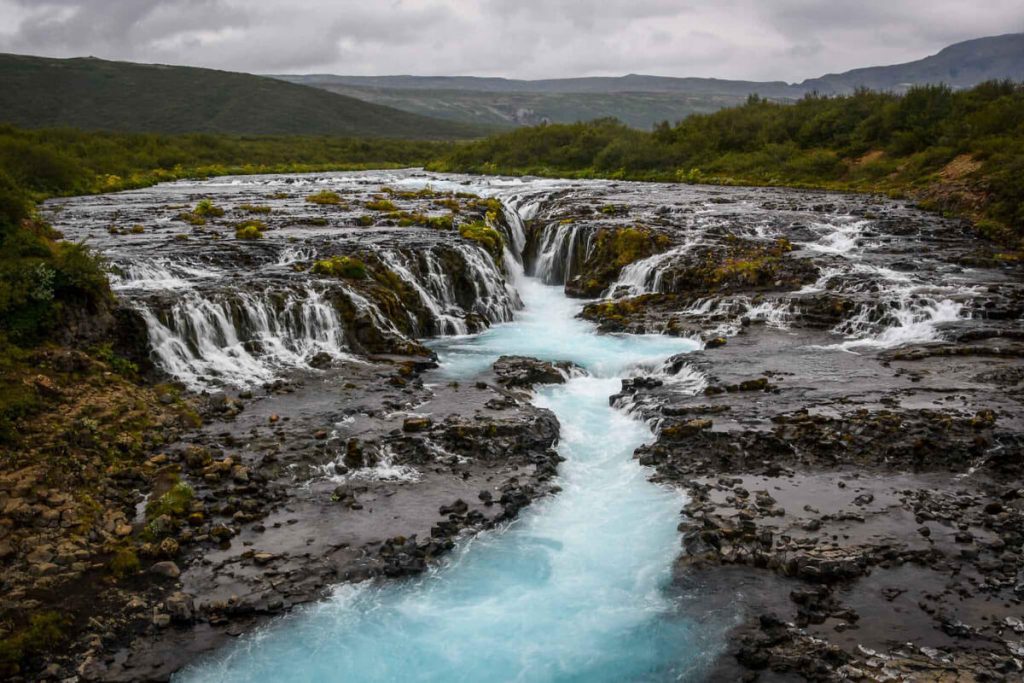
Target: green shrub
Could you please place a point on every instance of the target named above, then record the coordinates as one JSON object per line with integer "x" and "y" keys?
{"x": 208, "y": 209}
{"x": 176, "y": 502}
{"x": 124, "y": 563}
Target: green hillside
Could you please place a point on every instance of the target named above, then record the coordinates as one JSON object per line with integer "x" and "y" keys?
{"x": 95, "y": 94}
{"x": 642, "y": 101}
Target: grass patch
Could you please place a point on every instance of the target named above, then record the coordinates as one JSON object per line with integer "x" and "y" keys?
{"x": 324, "y": 198}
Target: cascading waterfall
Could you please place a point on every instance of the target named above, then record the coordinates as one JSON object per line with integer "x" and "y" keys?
{"x": 900, "y": 318}
{"x": 495, "y": 298}
{"x": 242, "y": 339}
{"x": 648, "y": 275}
{"x": 557, "y": 256}
{"x": 438, "y": 300}
{"x": 159, "y": 274}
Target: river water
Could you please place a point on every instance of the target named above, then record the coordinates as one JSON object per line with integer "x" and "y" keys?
{"x": 572, "y": 591}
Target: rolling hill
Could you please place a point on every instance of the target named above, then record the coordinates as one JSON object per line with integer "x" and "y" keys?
{"x": 641, "y": 101}
{"x": 95, "y": 94}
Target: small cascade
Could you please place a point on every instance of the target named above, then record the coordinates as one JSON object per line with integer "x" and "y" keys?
{"x": 899, "y": 320}
{"x": 562, "y": 247}
{"x": 437, "y": 294}
{"x": 647, "y": 275}
{"x": 157, "y": 275}
{"x": 730, "y": 312}
{"x": 242, "y": 339}
{"x": 294, "y": 254}
{"x": 495, "y": 299}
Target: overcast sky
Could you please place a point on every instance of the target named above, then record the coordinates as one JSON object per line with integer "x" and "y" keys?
{"x": 749, "y": 39}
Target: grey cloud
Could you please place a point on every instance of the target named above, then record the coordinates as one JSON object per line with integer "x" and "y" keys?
{"x": 756, "y": 39}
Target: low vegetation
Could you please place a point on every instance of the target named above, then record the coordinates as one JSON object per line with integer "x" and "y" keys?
{"x": 250, "y": 230}
{"x": 960, "y": 152}
{"x": 324, "y": 197}
{"x": 485, "y": 236}
{"x": 347, "y": 267}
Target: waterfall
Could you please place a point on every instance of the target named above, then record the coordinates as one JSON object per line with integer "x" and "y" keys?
{"x": 244, "y": 338}
{"x": 648, "y": 275}
{"x": 898, "y": 320}
{"x": 559, "y": 248}
{"x": 439, "y": 299}
{"x": 495, "y": 299}
{"x": 158, "y": 274}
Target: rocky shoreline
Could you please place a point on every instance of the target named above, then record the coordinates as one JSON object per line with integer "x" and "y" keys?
{"x": 850, "y": 437}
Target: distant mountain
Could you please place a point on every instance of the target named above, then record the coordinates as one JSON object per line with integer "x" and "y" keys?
{"x": 642, "y": 100}
{"x": 961, "y": 65}
{"x": 96, "y": 94}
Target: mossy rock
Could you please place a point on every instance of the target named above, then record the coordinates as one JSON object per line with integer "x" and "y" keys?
{"x": 347, "y": 267}
{"x": 324, "y": 198}
{"x": 484, "y": 235}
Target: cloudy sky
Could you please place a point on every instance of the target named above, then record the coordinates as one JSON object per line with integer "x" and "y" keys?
{"x": 753, "y": 39}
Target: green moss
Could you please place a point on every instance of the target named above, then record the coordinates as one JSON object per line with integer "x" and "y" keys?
{"x": 381, "y": 205}
{"x": 449, "y": 203}
{"x": 441, "y": 222}
{"x": 191, "y": 218}
{"x": 340, "y": 266}
{"x": 250, "y": 230}
{"x": 484, "y": 235}
{"x": 325, "y": 197}
{"x": 208, "y": 209}
{"x": 176, "y": 502}
{"x": 366, "y": 220}
{"x": 137, "y": 229}
{"x": 425, "y": 193}
{"x": 253, "y": 208}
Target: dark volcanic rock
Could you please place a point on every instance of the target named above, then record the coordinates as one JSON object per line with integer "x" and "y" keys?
{"x": 524, "y": 372}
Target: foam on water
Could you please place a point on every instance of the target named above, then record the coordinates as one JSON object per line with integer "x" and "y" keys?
{"x": 572, "y": 591}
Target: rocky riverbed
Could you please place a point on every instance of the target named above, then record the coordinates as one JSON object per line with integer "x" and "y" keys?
{"x": 849, "y": 436}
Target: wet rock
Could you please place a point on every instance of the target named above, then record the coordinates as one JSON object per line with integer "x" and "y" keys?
{"x": 180, "y": 607}
{"x": 417, "y": 424}
{"x": 524, "y": 372}
{"x": 166, "y": 569}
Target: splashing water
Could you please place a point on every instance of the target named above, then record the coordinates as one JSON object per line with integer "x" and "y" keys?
{"x": 572, "y": 591}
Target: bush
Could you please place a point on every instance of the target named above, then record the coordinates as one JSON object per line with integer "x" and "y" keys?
{"x": 124, "y": 563}
{"x": 176, "y": 502}
{"x": 207, "y": 209}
